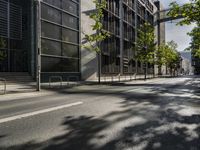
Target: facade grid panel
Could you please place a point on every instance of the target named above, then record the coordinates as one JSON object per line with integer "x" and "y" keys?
{"x": 60, "y": 51}
{"x": 127, "y": 20}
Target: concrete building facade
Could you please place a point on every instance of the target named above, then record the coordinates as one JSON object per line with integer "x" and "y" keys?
{"x": 47, "y": 35}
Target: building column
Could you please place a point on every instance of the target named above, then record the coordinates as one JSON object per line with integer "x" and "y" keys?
{"x": 136, "y": 62}
{"x": 121, "y": 35}
{"x": 33, "y": 40}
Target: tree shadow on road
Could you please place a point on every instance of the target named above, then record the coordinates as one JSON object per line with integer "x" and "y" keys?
{"x": 167, "y": 131}
{"x": 143, "y": 122}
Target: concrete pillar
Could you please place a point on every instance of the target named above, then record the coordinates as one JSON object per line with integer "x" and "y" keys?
{"x": 89, "y": 66}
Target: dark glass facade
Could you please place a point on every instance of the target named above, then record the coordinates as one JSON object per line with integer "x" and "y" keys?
{"x": 58, "y": 27}
{"x": 129, "y": 29}
{"x": 111, "y": 46}
{"x": 60, "y": 36}
{"x": 122, "y": 18}
{"x": 13, "y": 32}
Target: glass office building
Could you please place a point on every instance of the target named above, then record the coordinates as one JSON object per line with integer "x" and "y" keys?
{"x": 60, "y": 50}
{"x": 122, "y": 19}
{"x": 15, "y": 34}
{"x": 52, "y": 28}
{"x": 51, "y": 25}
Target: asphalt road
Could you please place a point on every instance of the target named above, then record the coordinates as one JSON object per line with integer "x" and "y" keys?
{"x": 163, "y": 114}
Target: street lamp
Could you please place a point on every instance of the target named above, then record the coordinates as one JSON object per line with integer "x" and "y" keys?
{"x": 38, "y": 49}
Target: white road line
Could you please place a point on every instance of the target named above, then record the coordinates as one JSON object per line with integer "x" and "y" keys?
{"x": 38, "y": 112}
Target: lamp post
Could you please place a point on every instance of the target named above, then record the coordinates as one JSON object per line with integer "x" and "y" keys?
{"x": 145, "y": 64}
{"x": 38, "y": 49}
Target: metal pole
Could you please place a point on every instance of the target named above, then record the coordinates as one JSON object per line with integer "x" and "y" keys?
{"x": 8, "y": 32}
{"x": 99, "y": 67}
{"x": 121, "y": 36}
{"x": 38, "y": 57}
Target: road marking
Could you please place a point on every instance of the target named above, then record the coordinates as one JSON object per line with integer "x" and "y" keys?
{"x": 38, "y": 112}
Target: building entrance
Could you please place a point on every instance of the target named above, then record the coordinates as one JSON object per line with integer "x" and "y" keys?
{"x": 13, "y": 50}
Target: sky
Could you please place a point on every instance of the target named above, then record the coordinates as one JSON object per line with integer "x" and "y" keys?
{"x": 177, "y": 33}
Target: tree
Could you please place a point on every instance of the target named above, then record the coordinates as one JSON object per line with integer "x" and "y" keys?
{"x": 145, "y": 45}
{"x": 160, "y": 56}
{"x": 195, "y": 42}
{"x": 166, "y": 54}
{"x": 190, "y": 13}
{"x": 2, "y": 46}
{"x": 172, "y": 57}
{"x": 100, "y": 34}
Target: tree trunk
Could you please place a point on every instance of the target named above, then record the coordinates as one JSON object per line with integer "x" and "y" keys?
{"x": 145, "y": 71}
{"x": 99, "y": 67}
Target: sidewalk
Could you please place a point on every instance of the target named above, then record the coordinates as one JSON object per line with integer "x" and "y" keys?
{"x": 21, "y": 91}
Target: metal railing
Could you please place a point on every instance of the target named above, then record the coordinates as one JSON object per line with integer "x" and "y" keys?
{"x": 4, "y": 81}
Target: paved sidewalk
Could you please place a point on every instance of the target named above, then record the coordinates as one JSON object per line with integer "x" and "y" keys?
{"x": 22, "y": 91}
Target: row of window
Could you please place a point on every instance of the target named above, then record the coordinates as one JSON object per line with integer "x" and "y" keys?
{"x": 13, "y": 22}
{"x": 129, "y": 32}
{"x": 111, "y": 46}
{"x": 53, "y": 64}
{"x": 50, "y": 47}
{"x": 110, "y": 64}
{"x": 111, "y": 61}
{"x": 113, "y": 6}
{"x": 150, "y": 6}
{"x": 141, "y": 10}
{"x": 59, "y": 17}
{"x": 129, "y": 15}
{"x": 130, "y": 3}
{"x": 13, "y": 44}
{"x": 64, "y": 34}
{"x": 111, "y": 23}
{"x": 15, "y": 60}
{"x": 60, "y": 36}
{"x": 70, "y": 6}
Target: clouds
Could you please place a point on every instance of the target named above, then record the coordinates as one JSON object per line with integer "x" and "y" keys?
{"x": 177, "y": 33}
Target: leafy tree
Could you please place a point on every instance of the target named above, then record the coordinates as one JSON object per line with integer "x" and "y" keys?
{"x": 2, "y": 46}
{"x": 145, "y": 45}
{"x": 195, "y": 42}
{"x": 100, "y": 34}
{"x": 160, "y": 56}
{"x": 190, "y": 12}
{"x": 172, "y": 57}
{"x": 166, "y": 54}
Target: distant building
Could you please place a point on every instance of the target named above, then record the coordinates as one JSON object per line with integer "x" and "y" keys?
{"x": 196, "y": 64}
{"x": 186, "y": 63}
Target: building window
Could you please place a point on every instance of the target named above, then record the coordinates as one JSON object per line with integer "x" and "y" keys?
{"x": 60, "y": 35}
{"x": 70, "y": 7}
{"x": 50, "y": 47}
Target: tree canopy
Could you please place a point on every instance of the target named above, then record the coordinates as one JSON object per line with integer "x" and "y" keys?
{"x": 168, "y": 55}
{"x": 145, "y": 44}
{"x": 191, "y": 15}
{"x": 172, "y": 55}
{"x": 189, "y": 11}
{"x": 100, "y": 34}
{"x": 195, "y": 41}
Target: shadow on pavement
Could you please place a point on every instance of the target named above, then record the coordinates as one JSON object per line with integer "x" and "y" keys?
{"x": 153, "y": 121}
{"x": 169, "y": 134}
